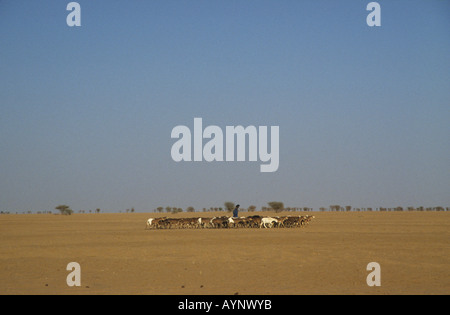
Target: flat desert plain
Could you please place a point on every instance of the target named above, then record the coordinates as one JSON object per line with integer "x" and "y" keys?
{"x": 117, "y": 255}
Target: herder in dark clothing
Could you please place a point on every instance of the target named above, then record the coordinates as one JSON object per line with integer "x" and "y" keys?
{"x": 235, "y": 211}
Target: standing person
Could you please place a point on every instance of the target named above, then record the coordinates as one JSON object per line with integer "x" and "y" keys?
{"x": 235, "y": 211}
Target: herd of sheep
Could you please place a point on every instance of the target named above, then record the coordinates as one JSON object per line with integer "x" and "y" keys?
{"x": 254, "y": 221}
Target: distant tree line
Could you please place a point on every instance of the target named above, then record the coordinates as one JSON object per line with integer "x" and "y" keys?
{"x": 276, "y": 206}
{"x": 64, "y": 210}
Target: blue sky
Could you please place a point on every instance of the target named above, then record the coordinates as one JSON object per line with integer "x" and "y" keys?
{"x": 86, "y": 112}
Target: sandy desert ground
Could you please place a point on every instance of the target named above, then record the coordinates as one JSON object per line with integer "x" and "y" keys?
{"x": 118, "y": 256}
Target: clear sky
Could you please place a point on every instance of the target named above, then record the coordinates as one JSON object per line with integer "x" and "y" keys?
{"x": 86, "y": 113}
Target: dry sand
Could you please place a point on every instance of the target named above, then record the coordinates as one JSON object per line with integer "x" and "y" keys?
{"x": 118, "y": 256}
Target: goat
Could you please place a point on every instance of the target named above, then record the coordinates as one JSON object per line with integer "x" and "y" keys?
{"x": 268, "y": 221}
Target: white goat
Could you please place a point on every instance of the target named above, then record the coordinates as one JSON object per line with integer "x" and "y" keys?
{"x": 268, "y": 221}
